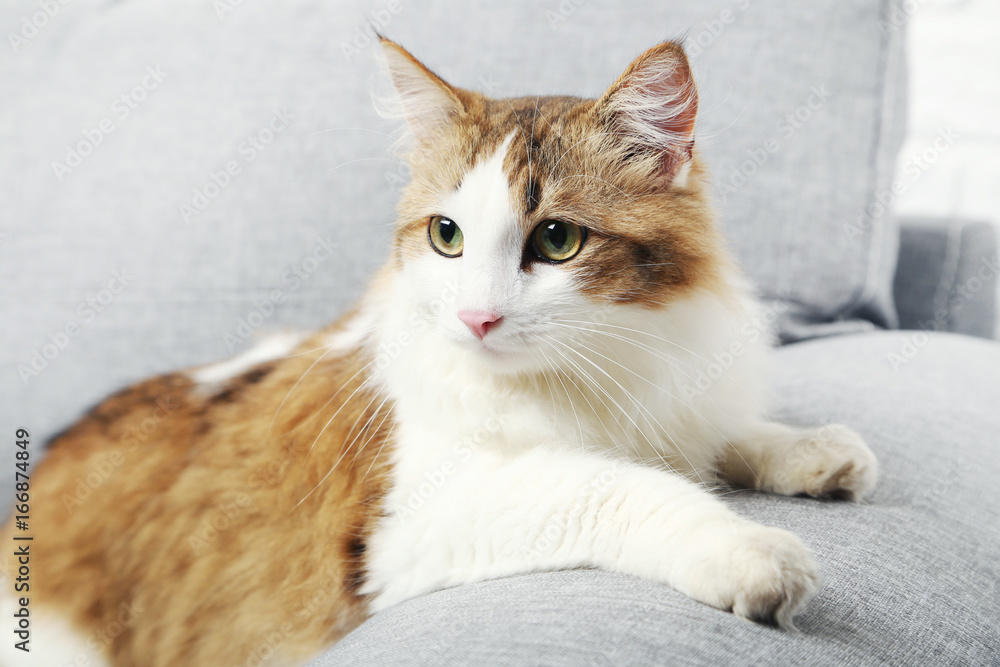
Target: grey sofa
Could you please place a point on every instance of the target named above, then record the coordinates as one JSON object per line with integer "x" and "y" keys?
{"x": 126, "y": 250}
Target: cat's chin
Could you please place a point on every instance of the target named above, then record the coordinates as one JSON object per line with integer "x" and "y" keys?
{"x": 499, "y": 359}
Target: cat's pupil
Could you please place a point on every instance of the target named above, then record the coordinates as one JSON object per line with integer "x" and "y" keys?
{"x": 556, "y": 235}
{"x": 447, "y": 231}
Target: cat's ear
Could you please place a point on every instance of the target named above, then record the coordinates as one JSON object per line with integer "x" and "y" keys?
{"x": 425, "y": 100}
{"x": 653, "y": 105}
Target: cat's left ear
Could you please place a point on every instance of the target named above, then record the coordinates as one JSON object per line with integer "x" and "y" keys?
{"x": 427, "y": 102}
{"x": 653, "y": 106}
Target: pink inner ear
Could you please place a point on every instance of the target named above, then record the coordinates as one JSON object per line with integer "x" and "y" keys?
{"x": 680, "y": 98}
{"x": 656, "y": 102}
{"x": 677, "y": 91}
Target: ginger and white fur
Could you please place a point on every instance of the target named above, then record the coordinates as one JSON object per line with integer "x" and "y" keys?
{"x": 577, "y": 434}
{"x": 616, "y": 459}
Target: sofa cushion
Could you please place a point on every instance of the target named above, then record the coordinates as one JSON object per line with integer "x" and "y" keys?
{"x": 189, "y": 173}
{"x": 946, "y": 279}
{"x": 911, "y": 576}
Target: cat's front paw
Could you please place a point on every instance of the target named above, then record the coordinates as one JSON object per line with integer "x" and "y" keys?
{"x": 831, "y": 462}
{"x": 762, "y": 574}
{"x": 774, "y": 576}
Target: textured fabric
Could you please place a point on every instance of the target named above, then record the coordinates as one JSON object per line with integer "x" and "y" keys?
{"x": 911, "y": 576}
{"x": 946, "y": 278}
{"x": 223, "y": 158}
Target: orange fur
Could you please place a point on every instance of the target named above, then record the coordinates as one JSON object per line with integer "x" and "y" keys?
{"x": 196, "y": 525}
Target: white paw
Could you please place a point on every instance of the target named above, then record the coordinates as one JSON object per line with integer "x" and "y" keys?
{"x": 832, "y": 462}
{"x": 762, "y": 574}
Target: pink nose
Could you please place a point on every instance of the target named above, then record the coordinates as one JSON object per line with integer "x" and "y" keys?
{"x": 479, "y": 321}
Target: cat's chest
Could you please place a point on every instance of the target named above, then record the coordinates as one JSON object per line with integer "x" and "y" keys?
{"x": 477, "y": 417}
{"x": 437, "y": 421}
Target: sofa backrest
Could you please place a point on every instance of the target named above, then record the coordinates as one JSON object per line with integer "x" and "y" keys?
{"x": 181, "y": 176}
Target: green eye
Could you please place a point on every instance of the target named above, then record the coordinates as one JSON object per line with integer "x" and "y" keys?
{"x": 445, "y": 236}
{"x": 557, "y": 241}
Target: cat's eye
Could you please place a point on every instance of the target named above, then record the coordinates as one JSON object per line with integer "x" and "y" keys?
{"x": 557, "y": 241}
{"x": 445, "y": 236}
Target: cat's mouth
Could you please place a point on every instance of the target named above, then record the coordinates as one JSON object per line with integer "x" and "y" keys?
{"x": 487, "y": 347}
{"x": 517, "y": 357}
{"x": 495, "y": 352}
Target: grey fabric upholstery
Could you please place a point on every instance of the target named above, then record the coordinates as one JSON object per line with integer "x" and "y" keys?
{"x": 911, "y": 576}
{"x": 946, "y": 278}
{"x": 203, "y": 251}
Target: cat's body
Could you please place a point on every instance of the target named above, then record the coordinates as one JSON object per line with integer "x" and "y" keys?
{"x": 491, "y": 407}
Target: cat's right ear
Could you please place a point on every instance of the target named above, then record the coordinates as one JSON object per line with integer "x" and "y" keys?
{"x": 425, "y": 100}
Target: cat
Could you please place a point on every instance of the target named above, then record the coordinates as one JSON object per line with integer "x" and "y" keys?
{"x": 530, "y": 383}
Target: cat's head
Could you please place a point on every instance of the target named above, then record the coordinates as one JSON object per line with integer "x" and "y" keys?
{"x": 536, "y": 215}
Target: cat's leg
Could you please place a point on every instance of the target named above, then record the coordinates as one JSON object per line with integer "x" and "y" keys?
{"x": 827, "y": 462}
{"x": 547, "y": 510}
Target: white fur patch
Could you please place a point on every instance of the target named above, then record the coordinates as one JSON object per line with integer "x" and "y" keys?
{"x": 483, "y": 208}
{"x": 268, "y": 349}
{"x": 681, "y": 177}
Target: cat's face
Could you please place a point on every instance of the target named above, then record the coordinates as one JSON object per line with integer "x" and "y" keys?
{"x": 529, "y": 218}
